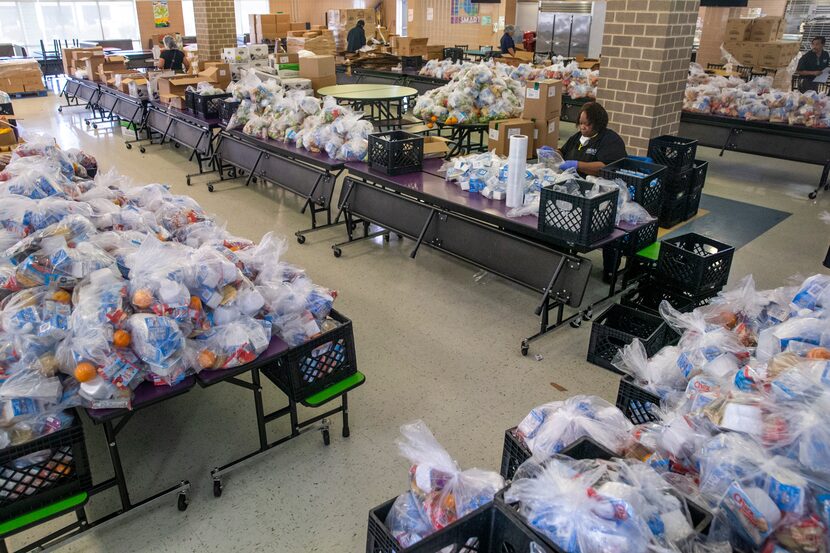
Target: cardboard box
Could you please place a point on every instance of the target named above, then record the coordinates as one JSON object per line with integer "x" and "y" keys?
{"x": 435, "y": 146}
{"x": 321, "y": 82}
{"x": 737, "y": 30}
{"x": 298, "y": 26}
{"x": 500, "y": 132}
{"x": 524, "y": 56}
{"x": 543, "y": 100}
{"x": 218, "y": 74}
{"x": 315, "y": 66}
{"x": 175, "y": 86}
{"x": 435, "y": 52}
{"x": 777, "y": 53}
{"x": 282, "y": 58}
{"x": 137, "y": 88}
{"x": 765, "y": 29}
{"x": 545, "y": 133}
{"x": 236, "y": 55}
{"x": 172, "y": 100}
{"x": 69, "y": 58}
{"x": 409, "y": 46}
{"x": 747, "y": 55}
{"x": 258, "y": 51}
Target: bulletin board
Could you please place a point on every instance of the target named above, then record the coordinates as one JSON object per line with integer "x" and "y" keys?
{"x": 161, "y": 14}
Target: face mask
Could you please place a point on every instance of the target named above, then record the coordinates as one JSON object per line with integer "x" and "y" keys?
{"x": 583, "y": 140}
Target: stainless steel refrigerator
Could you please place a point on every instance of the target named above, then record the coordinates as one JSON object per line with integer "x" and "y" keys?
{"x": 563, "y": 34}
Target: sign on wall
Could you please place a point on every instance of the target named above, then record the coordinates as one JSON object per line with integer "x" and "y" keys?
{"x": 161, "y": 13}
{"x": 464, "y": 11}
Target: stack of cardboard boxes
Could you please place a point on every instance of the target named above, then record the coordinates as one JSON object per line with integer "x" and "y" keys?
{"x": 342, "y": 21}
{"x": 73, "y": 56}
{"x": 171, "y": 90}
{"x": 20, "y": 75}
{"x": 320, "y": 41}
{"x": 253, "y": 56}
{"x": 409, "y": 46}
{"x": 269, "y": 26}
{"x": 319, "y": 69}
{"x": 539, "y": 121}
{"x": 757, "y": 42}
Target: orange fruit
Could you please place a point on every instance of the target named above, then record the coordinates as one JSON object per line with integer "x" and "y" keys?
{"x": 85, "y": 371}
{"x": 62, "y": 296}
{"x": 121, "y": 338}
{"x": 206, "y": 359}
{"x": 143, "y": 298}
{"x": 434, "y": 118}
{"x": 818, "y": 353}
{"x": 195, "y": 303}
{"x": 430, "y": 125}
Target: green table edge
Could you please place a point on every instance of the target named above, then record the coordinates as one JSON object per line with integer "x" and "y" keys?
{"x": 43, "y": 513}
{"x": 650, "y": 252}
{"x": 335, "y": 390}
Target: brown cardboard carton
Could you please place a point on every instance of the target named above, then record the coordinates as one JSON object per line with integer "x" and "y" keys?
{"x": 545, "y": 133}
{"x": 765, "y": 29}
{"x": 175, "y": 86}
{"x": 283, "y": 58}
{"x": 315, "y": 66}
{"x": 777, "y": 53}
{"x": 435, "y": 146}
{"x": 748, "y": 55}
{"x": 172, "y": 100}
{"x": 297, "y": 26}
{"x": 321, "y": 82}
{"x": 500, "y": 132}
{"x": 91, "y": 66}
{"x": 737, "y": 30}
{"x": 409, "y": 46}
{"x": 435, "y": 51}
{"x": 69, "y": 57}
{"x": 218, "y": 74}
{"x": 543, "y": 100}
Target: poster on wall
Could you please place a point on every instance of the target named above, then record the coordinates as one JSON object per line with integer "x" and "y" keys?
{"x": 161, "y": 13}
{"x": 486, "y": 20}
{"x": 464, "y": 11}
{"x": 429, "y": 14}
{"x": 410, "y": 15}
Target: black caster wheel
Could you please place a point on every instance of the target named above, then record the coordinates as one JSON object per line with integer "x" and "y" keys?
{"x": 589, "y": 314}
{"x": 183, "y": 502}
{"x": 87, "y": 123}
{"x": 129, "y": 146}
{"x": 813, "y": 195}
{"x": 326, "y": 437}
{"x": 188, "y": 181}
{"x": 386, "y": 237}
{"x": 300, "y": 239}
{"x": 60, "y": 109}
{"x": 346, "y": 432}
{"x": 176, "y": 145}
{"x": 400, "y": 236}
{"x": 210, "y": 188}
{"x": 217, "y": 488}
{"x": 253, "y": 180}
{"x": 525, "y": 348}
{"x": 337, "y": 252}
{"x": 576, "y": 323}
{"x": 143, "y": 150}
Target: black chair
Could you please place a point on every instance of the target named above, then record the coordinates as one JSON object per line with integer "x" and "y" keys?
{"x": 715, "y": 66}
{"x": 744, "y": 71}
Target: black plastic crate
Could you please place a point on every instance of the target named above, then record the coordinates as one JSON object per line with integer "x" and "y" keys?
{"x": 227, "y": 110}
{"x": 62, "y": 472}
{"x": 190, "y": 100}
{"x": 678, "y": 183}
{"x": 412, "y": 62}
{"x": 454, "y": 54}
{"x": 575, "y": 219}
{"x": 674, "y": 152}
{"x": 693, "y": 203}
{"x": 515, "y": 453}
{"x": 673, "y": 211}
{"x": 646, "y": 190}
{"x": 6, "y": 109}
{"x": 700, "y": 168}
{"x": 638, "y": 239}
{"x": 650, "y": 293}
{"x": 317, "y": 364}
{"x": 637, "y": 404}
{"x": 617, "y": 327}
{"x": 396, "y": 152}
{"x": 208, "y": 106}
{"x": 694, "y": 263}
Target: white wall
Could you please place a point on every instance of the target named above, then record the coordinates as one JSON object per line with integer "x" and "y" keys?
{"x": 597, "y": 28}
{"x": 526, "y": 15}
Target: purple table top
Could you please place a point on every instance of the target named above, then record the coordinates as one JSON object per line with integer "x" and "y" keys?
{"x": 274, "y": 351}
{"x": 320, "y": 159}
{"x": 145, "y": 395}
{"x": 429, "y": 183}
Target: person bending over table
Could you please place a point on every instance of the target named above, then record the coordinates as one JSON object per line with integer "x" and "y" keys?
{"x": 593, "y": 147}
{"x": 172, "y": 58}
{"x": 507, "y": 45}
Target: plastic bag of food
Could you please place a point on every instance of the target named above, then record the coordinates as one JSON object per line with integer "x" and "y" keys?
{"x": 159, "y": 342}
{"x": 227, "y": 346}
{"x": 563, "y": 503}
{"x": 726, "y": 458}
{"x": 550, "y": 428}
{"x": 660, "y": 374}
{"x": 446, "y": 492}
{"x": 799, "y": 431}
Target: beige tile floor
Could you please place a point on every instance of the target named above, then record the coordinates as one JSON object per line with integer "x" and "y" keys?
{"x": 435, "y": 342}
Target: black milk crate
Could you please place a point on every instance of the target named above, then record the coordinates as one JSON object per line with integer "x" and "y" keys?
{"x": 674, "y": 152}
{"x": 673, "y": 211}
{"x": 454, "y": 54}
{"x": 227, "y": 110}
{"x": 516, "y": 452}
{"x": 650, "y": 293}
{"x": 412, "y": 62}
{"x": 701, "y": 167}
{"x": 637, "y": 404}
{"x": 638, "y": 239}
{"x": 646, "y": 190}
{"x": 62, "y": 472}
{"x": 678, "y": 183}
{"x": 576, "y": 219}
{"x": 617, "y": 327}
{"x": 396, "y": 152}
{"x": 694, "y": 263}
{"x": 314, "y": 366}
{"x": 208, "y": 107}
{"x": 6, "y": 109}
{"x": 693, "y": 202}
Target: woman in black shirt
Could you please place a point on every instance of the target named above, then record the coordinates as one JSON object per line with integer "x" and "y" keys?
{"x": 595, "y": 145}
{"x": 172, "y": 58}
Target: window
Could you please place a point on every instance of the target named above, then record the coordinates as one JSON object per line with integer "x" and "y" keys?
{"x": 189, "y": 18}
{"x": 27, "y": 22}
{"x": 244, "y": 8}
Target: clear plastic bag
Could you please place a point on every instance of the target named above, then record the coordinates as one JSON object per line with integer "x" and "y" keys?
{"x": 446, "y": 492}
{"x": 660, "y": 374}
{"x": 407, "y": 520}
{"x": 550, "y": 428}
{"x": 231, "y": 345}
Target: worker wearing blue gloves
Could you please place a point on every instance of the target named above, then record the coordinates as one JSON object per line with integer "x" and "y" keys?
{"x": 595, "y": 145}
{"x": 588, "y": 151}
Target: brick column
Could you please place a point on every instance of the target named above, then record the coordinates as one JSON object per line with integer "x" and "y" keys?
{"x": 645, "y": 59}
{"x": 215, "y": 27}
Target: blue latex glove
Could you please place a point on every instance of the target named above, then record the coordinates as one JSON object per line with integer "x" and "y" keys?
{"x": 570, "y": 164}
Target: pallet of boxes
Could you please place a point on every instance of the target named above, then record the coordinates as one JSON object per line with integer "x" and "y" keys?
{"x": 340, "y": 22}
{"x": 171, "y": 90}
{"x": 21, "y": 77}
{"x": 269, "y": 27}
{"x": 74, "y": 64}
{"x": 757, "y": 43}
{"x": 539, "y": 120}
{"x": 317, "y": 40}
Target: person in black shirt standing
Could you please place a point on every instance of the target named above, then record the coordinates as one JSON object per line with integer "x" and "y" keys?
{"x": 356, "y": 39}
{"x": 172, "y": 58}
{"x": 507, "y": 45}
{"x": 588, "y": 151}
{"x": 812, "y": 64}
